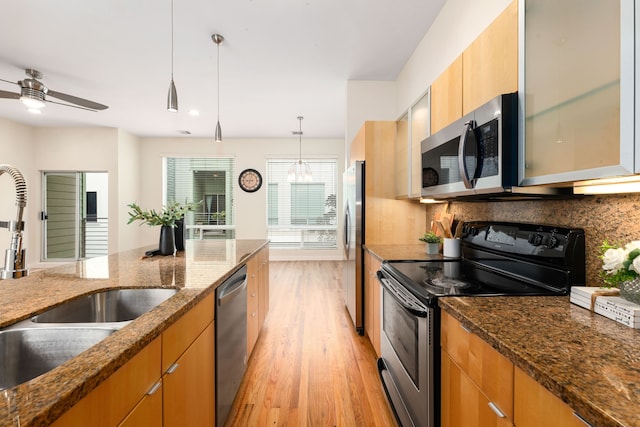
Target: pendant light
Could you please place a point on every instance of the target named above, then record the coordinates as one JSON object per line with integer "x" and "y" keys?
{"x": 299, "y": 171}
{"x": 218, "y": 39}
{"x": 172, "y": 97}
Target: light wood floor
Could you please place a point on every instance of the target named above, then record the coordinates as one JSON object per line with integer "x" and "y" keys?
{"x": 309, "y": 366}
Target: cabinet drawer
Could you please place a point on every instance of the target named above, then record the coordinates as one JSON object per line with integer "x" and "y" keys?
{"x": 185, "y": 330}
{"x": 488, "y": 369}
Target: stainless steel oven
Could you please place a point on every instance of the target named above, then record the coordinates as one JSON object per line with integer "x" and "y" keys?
{"x": 407, "y": 365}
{"x": 498, "y": 258}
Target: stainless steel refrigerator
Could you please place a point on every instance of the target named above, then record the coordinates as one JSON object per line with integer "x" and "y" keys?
{"x": 354, "y": 212}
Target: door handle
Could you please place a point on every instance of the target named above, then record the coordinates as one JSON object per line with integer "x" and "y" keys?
{"x": 469, "y": 182}
{"x": 43, "y": 216}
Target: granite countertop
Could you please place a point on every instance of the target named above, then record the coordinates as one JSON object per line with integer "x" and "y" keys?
{"x": 196, "y": 272}
{"x": 590, "y": 362}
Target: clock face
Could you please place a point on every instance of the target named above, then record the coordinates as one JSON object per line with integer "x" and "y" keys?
{"x": 250, "y": 180}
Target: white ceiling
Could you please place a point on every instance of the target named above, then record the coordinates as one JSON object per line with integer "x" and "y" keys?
{"x": 280, "y": 59}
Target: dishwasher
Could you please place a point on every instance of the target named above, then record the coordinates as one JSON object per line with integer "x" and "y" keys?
{"x": 231, "y": 341}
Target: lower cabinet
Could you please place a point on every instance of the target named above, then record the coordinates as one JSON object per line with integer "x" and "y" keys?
{"x": 535, "y": 405}
{"x": 372, "y": 301}
{"x": 477, "y": 381}
{"x": 480, "y": 387}
{"x": 257, "y": 295}
{"x": 170, "y": 382}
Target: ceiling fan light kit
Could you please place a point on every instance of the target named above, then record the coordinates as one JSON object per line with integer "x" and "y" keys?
{"x": 172, "y": 97}
{"x": 218, "y": 39}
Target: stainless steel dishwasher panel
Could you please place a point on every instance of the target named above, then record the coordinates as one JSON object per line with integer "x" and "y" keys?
{"x": 231, "y": 341}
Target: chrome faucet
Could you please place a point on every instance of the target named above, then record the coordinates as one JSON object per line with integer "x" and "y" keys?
{"x": 15, "y": 259}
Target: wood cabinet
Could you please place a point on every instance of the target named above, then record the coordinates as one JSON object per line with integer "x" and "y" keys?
{"x": 486, "y": 69}
{"x": 402, "y": 157}
{"x": 257, "y": 296}
{"x": 375, "y": 144}
{"x": 188, "y": 385}
{"x": 169, "y": 382}
{"x": 490, "y": 63}
{"x": 446, "y": 96}
{"x": 372, "y": 301}
{"x": 110, "y": 403}
{"x": 472, "y": 371}
{"x": 535, "y": 405}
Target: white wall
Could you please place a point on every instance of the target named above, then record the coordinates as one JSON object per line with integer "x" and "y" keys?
{"x": 129, "y": 187}
{"x": 17, "y": 150}
{"x": 458, "y": 24}
{"x": 250, "y": 208}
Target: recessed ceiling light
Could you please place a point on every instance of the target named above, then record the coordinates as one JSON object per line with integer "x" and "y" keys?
{"x": 184, "y": 132}
{"x": 34, "y": 110}
{"x": 194, "y": 112}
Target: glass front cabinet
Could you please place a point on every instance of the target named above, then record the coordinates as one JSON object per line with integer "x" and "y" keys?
{"x": 576, "y": 83}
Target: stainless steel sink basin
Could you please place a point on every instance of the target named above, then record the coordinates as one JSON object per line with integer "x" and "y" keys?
{"x": 28, "y": 353}
{"x": 119, "y": 305}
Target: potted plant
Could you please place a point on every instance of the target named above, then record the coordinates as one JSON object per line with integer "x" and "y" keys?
{"x": 432, "y": 241}
{"x": 168, "y": 218}
{"x": 621, "y": 268}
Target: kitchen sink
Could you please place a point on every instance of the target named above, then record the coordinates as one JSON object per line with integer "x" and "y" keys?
{"x": 118, "y": 305}
{"x": 28, "y": 353}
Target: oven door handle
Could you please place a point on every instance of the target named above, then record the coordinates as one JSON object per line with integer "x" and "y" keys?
{"x": 403, "y": 297}
{"x": 469, "y": 181}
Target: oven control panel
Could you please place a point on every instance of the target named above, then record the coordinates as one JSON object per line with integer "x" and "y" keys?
{"x": 533, "y": 240}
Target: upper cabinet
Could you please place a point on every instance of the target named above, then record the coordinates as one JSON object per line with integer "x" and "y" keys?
{"x": 577, "y": 90}
{"x": 446, "y": 96}
{"x": 490, "y": 63}
{"x": 411, "y": 129}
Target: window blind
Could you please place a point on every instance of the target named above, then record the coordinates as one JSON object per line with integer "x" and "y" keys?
{"x": 302, "y": 215}
{"x": 209, "y": 181}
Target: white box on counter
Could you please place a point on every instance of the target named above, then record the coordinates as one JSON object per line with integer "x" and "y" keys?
{"x": 612, "y": 307}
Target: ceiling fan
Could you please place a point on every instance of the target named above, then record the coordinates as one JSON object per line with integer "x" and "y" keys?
{"x": 34, "y": 93}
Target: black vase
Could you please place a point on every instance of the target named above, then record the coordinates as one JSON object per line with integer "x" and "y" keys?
{"x": 166, "y": 240}
{"x": 179, "y": 235}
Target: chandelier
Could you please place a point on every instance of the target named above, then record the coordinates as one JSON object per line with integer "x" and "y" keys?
{"x": 299, "y": 171}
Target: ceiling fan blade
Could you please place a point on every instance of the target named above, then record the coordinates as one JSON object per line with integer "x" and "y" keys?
{"x": 9, "y": 81}
{"x": 90, "y": 105}
{"x": 9, "y": 95}
{"x": 69, "y": 105}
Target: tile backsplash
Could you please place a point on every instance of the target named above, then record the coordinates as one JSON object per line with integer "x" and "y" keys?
{"x": 615, "y": 218}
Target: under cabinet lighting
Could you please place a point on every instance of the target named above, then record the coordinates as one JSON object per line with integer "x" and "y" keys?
{"x": 431, "y": 201}
{"x": 628, "y": 184}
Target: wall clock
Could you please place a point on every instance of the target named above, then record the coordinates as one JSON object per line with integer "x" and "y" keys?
{"x": 250, "y": 180}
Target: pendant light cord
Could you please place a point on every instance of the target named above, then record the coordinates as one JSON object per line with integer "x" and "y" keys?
{"x": 218, "y": 62}
{"x": 172, "y": 40}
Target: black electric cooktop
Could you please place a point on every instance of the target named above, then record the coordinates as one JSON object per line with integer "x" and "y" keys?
{"x": 499, "y": 259}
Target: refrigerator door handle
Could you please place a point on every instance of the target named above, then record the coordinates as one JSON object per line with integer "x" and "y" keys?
{"x": 347, "y": 237}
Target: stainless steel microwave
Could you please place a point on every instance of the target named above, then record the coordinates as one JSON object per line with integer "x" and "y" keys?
{"x": 475, "y": 155}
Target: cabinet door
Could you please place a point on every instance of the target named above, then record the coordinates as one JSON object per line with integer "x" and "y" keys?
{"x": 446, "y": 96}
{"x": 463, "y": 403}
{"x": 253, "y": 303}
{"x": 148, "y": 412}
{"x": 488, "y": 369}
{"x": 263, "y": 286}
{"x": 188, "y": 386}
{"x": 420, "y": 127}
{"x": 402, "y": 157}
{"x": 578, "y": 90}
{"x": 535, "y": 405}
{"x": 111, "y": 401}
{"x": 490, "y": 63}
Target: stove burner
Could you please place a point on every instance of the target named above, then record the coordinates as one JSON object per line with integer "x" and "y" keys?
{"x": 447, "y": 282}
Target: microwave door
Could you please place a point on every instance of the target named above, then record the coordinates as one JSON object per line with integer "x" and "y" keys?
{"x": 469, "y": 155}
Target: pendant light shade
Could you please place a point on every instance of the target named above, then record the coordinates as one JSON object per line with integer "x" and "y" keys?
{"x": 218, "y": 39}
{"x": 299, "y": 171}
{"x": 172, "y": 97}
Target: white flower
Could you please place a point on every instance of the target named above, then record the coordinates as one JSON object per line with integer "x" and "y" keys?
{"x": 613, "y": 258}
{"x": 635, "y": 266}
{"x": 631, "y": 246}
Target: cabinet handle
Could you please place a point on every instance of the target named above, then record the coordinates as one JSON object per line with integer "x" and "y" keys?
{"x": 154, "y": 388}
{"x": 497, "y": 410}
{"x": 172, "y": 368}
{"x": 575, "y": 414}
{"x": 253, "y": 314}
{"x": 464, "y": 328}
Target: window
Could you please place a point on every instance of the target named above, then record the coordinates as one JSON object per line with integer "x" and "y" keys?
{"x": 302, "y": 215}
{"x": 205, "y": 180}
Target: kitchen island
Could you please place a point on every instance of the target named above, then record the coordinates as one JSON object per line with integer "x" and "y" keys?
{"x": 196, "y": 273}
{"x": 588, "y": 361}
